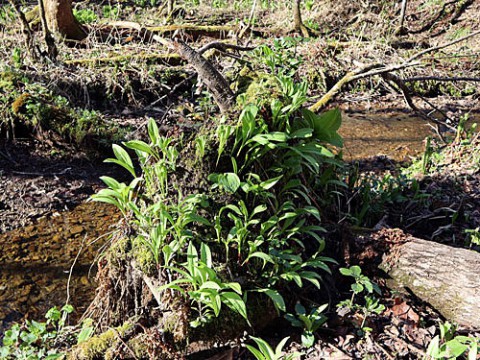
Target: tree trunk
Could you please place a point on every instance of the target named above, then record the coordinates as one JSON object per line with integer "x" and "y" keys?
{"x": 60, "y": 20}
{"x": 445, "y": 277}
{"x": 401, "y": 27}
{"x": 297, "y": 18}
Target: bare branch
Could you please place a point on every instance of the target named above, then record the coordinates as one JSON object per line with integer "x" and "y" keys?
{"x": 223, "y": 47}
{"x": 439, "y": 78}
{"x": 434, "y": 48}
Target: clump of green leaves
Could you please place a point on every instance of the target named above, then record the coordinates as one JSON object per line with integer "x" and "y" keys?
{"x": 308, "y": 321}
{"x": 85, "y": 16}
{"x": 367, "y": 305}
{"x": 35, "y": 340}
{"x": 253, "y": 211}
{"x": 448, "y": 346}
{"x": 264, "y": 351}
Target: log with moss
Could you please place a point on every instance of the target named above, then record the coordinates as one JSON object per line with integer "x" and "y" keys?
{"x": 443, "y": 276}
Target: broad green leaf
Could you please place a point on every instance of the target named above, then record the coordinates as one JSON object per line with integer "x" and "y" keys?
{"x": 140, "y": 146}
{"x": 153, "y": 131}
{"x": 356, "y": 270}
{"x": 325, "y": 126}
{"x": 122, "y": 159}
{"x": 455, "y": 348}
{"x": 261, "y": 255}
{"x": 302, "y": 133}
{"x": 235, "y": 287}
{"x": 206, "y": 255}
{"x": 235, "y": 302}
{"x": 258, "y": 355}
{"x": 85, "y": 334}
{"x": 210, "y": 285}
{"x": 111, "y": 182}
{"x": 230, "y": 182}
{"x": 357, "y": 288}
{"x": 258, "y": 209}
{"x": 308, "y": 339}
{"x": 281, "y": 344}
{"x": 264, "y": 347}
{"x": 275, "y": 296}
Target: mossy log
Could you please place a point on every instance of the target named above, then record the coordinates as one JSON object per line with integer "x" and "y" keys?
{"x": 444, "y": 276}
{"x": 216, "y": 31}
{"x": 171, "y": 59}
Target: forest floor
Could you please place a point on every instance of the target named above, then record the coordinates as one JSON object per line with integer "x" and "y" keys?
{"x": 112, "y": 87}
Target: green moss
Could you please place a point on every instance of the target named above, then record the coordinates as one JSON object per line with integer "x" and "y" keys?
{"x": 139, "y": 346}
{"x": 143, "y": 256}
{"x": 98, "y": 346}
{"x": 261, "y": 91}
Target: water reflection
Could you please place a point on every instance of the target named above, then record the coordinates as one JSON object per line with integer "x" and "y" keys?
{"x": 35, "y": 261}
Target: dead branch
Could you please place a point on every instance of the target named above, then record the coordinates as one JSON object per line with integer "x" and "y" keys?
{"x": 223, "y": 47}
{"x": 439, "y": 78}
{"x": 379, "y": 69}
{"x": 213, "y": 79}
{"x": 32, "y": 49}
{"x": 170, "y": 59}
{"x": 408, "y": 99}
{"x": 52, "y": 50}
{"x": 434, "y": 48}
{"x": 250, "y": 21}
{"x": 215, "y": 82}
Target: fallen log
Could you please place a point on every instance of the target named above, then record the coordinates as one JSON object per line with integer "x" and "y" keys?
{"x": 444, "y": 276}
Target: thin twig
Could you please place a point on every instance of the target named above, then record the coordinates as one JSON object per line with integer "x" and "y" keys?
{"x": 439, "y": 78}
{"x": 71, "y": 269}
{"x": 442, "y": 46}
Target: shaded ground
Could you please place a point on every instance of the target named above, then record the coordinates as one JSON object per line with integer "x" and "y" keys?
{"x": 38, "y": 179}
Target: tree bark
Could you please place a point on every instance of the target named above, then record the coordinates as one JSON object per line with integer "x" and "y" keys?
{"x": 445, "y": 277}
{"x": 401, "y": 27}
{"x": 215, "y": 82}
{"x": 297, "y": 18}
{"x": 60, "y": 20}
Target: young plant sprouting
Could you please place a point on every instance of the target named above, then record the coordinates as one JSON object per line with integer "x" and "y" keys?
{"x": 308, "y": 321}
{"x": 362, "y": 285}
{"x": 448, "y": 346}
{"x": 264, "y": 351}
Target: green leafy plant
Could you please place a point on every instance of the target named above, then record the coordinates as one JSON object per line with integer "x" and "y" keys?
{"x": 85, "y": 16}
{"x": 207, "y": 290}
{"x": 308, "y": 321}
{"x": 264, "y": 351}
{"x": 448, "y": 346}
{"x": 362, "y": 285}
{"x": 35, "y": 340}
{"x": 473, "y": 236}
{"x": 253, "y": 214}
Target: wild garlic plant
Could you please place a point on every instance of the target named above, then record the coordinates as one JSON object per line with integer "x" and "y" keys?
{"x": 258, "y": 218}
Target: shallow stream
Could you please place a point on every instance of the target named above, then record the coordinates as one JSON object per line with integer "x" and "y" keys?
{"x": 35, "y": 261}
